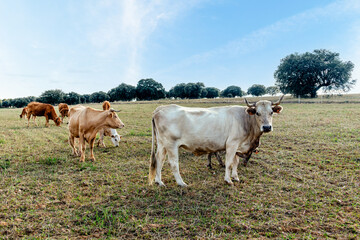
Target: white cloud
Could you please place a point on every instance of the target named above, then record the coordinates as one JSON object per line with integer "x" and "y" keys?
{"x": 128, "y": 27}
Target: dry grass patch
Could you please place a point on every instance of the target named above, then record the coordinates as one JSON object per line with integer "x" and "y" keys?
{"x": 303, "y": 184}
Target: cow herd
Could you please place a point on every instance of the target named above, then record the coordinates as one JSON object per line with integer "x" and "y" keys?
{"x": 233, "y": 129}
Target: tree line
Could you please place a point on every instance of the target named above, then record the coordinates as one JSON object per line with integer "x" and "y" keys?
{"x": 298, "y": 74}
{"x": 146, "y": 89}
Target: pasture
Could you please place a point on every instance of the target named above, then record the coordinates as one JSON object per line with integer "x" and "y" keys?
{"x": 303, "y": 184}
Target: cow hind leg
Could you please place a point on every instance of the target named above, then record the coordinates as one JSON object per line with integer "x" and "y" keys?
{"x": 160, "y": 159}
{"x": 72, "y": 145}
{"x": 209, "y": 161}
{"x": 219, "y": 159}
{"x": 173, "y": 156}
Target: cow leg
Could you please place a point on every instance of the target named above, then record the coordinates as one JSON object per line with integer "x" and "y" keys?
{"x": 47, "y": 121}
{"x": 229, "y": 162}
{"x": 101, "y": 140}
{"x": 72, "y": 145}
{"x": 246, "y": 160}
{"x": 82, "y": 148}
{"x": 28, "y": 117}
{"x": 209, "y": 161}
{"x": 219, "y": 159}
{"x": 173, "y": 156}
{"x": 234, "y": 173}
{"x": 91, "y": 143}
{"x": 34, "y": 118}
{"x": 160, "y": 159}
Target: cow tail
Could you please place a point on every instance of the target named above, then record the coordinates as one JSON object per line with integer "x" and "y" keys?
{"x": 153, "y": 161}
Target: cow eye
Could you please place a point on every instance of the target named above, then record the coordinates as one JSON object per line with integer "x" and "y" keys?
{"x": 271, "y": 113}
{"x": 257, "y": 113}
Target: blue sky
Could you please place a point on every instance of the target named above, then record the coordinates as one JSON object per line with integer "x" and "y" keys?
{"x": 88, "y": 45}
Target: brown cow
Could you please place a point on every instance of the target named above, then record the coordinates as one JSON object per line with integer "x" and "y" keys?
{"x": 85, "y": 122}
{"x": 106, "y": 105}
{"x": 64, "y": 110}
{"x": 42, "y": 109}
{"x": 24, "y": 112}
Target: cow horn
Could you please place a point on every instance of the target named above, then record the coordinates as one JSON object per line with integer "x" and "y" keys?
{"x": 248, "y": 104}
{"x": 279, "y": 101}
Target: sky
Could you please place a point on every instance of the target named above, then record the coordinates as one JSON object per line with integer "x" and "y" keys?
{"x": 94, "y": 45}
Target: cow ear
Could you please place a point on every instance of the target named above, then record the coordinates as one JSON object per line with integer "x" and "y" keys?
{"x": 251, "y": 110}
{"x": 277, "y": 108}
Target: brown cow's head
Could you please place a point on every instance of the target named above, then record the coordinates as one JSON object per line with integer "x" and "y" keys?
{"x": 113, "y": 120}
{"x": 263, "y": 111}
{"x": 57, "y": 121}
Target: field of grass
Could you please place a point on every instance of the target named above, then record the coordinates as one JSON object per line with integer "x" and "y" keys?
{"x": 303, "y": 184}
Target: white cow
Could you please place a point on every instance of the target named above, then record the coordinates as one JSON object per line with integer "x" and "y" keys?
{"x": 235, "y": 129}
{"x": 115, "y": 137}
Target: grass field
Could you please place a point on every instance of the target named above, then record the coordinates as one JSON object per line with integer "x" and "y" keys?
{"x": 303, "y": 184}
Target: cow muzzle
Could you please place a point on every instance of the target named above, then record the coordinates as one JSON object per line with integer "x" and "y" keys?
{"x": 266, "y": 128}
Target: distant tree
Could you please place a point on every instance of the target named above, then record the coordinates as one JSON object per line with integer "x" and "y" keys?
{"x": 123, "y": 92}
{"x": 178, "y": 91}
{"x": 304, "y": 74}
{"x": 5, "y": 103}
{"x": 85, "y": 98}
{"x": 203, "y": 93}
{"x": 149, "y": 89}
{"x": 52, "y": 96}
{"x": 212, "y": 92}
{"x": 72, "y": 98}
{"x": 257, "y": 90}
{"x": 193, "y": 90}
{"x": 19, "y": 102}
{"x": 272, "y": 90}
{"x": 232, "y": 91}
{"x": 98, "y": 97}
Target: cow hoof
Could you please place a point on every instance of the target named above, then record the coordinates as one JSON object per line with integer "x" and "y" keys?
{"x": 236, "y": 179}
{"x": 230, "y": 183}
{"x": 92, "y": 159}
{"x": 161, "y": 184}
{"x": 183, "y": 185}
{"x": 222, "y": 165}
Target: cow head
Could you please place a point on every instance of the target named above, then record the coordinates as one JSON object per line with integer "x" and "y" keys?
{"x": 57, "y": 121}
{"x": 115, "y": 137}
{"x": 113, "y": 120}
{"x": 263, "y": 111}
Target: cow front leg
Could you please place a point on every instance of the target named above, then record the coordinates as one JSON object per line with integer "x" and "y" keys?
{"x": 82, "y": 148}
{"x": 173, "y": 155}
{"x": 246, "y": 159}
{"x": 229, "y": 161}
{"x": 234, "y": 173}
{"x": 91, "y": 143}
{"x": 47, "y": 121}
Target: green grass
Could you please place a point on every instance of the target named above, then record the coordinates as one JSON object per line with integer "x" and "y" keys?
{"x": 303, "y": 184}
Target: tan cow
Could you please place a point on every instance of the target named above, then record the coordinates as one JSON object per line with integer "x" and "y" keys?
{"x": 42, "y": 109}
{"x": 106, "y": 105}
{"x": 64, "y": 110}
{"x": 235, "y": 129}
{"x": 85, "y": 122}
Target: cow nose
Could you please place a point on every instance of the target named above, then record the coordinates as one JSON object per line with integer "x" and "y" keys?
{"x": 267, "y": 128}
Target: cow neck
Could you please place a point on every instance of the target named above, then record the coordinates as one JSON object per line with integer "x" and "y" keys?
{"x": 254, "y": 128}
{"x": 100, "y": 118}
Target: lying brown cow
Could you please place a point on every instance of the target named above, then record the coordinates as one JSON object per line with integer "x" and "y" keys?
{"x": 42, "y": 109}
{"x": 106, "y": 105}
{"x": 85, "y": 122}
{"x": 64, "y": 110}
